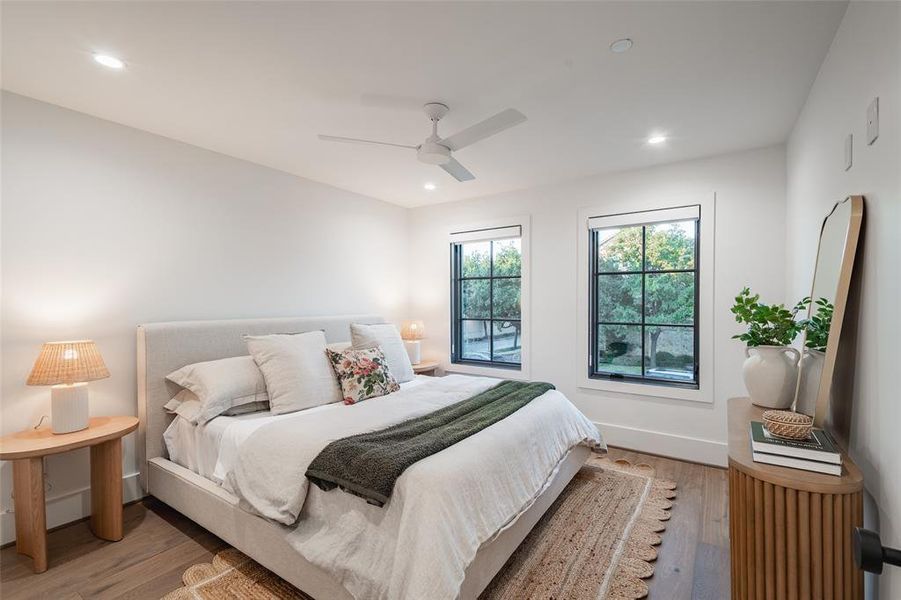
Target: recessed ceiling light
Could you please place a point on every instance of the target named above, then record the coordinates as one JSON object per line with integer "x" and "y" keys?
{"x": 620, "y": 46}
{"x": 109, "y": 61}
{"x": 656, "y": 139}
{"x": 429, "y": 186}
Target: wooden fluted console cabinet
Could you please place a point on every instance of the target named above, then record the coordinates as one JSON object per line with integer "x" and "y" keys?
{"x": 789, "y": 530}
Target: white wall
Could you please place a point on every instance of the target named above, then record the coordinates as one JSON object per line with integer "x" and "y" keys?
{"x": 105, "y": 227}
{"x": 750, "y": 245}
{"x": 863, "y": 62}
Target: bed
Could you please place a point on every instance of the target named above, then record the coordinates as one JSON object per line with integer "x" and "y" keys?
{"x": 195, "y": 489}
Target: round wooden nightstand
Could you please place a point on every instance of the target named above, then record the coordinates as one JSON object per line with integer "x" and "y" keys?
{"x": 427, "y": 367}
{"x": 789, "y": 530}
{"x": 27, "y": 450}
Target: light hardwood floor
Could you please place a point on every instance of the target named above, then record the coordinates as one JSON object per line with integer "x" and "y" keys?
{"x": 159, "y": 544}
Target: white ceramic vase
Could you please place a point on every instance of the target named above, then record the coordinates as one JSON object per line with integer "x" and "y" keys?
{"x": 811, "y": 370}
{"x": 771, "y": 375}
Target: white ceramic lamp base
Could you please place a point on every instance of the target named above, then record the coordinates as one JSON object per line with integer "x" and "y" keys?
{"x": 68, "y": 408}
{"x": 414, "y": 351}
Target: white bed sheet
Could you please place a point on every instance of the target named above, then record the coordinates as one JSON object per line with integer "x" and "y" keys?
{"x": 196, "y": 447}
{"x": 200, "y": 448}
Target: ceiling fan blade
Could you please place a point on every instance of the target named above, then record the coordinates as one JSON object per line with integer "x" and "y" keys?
{"x": 347, "y": 140}
{"x": 499, "y": 122}
{"x": 457, "y": 171}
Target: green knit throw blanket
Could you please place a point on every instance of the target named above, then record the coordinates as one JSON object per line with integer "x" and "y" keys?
{"x": 368, "y": 464}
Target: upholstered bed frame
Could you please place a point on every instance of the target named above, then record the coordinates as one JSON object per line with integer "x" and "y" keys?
{"x": 165, "y": 347}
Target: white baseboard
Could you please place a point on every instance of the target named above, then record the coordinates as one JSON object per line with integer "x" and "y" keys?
{"x": 69, "y": 506}
{"x": 697, "y": 450}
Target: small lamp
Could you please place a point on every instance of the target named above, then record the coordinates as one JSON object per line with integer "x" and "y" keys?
{"x": 412, "y": 332}
{"x": 68, "y": 367}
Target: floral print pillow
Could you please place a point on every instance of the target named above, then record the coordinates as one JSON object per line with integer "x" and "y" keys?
{"x": 363, "y": 373}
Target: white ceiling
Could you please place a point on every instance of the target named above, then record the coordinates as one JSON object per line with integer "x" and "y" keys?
{"x": 258, "y": 81}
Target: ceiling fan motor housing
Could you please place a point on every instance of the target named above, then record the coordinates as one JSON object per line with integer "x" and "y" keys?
{"x": 434, "y": 153}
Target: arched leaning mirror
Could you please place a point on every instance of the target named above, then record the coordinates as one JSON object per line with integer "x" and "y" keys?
{"x": 826, "y": 307}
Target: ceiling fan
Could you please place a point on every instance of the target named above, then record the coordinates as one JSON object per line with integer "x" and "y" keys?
{"x": 436, "y": 150}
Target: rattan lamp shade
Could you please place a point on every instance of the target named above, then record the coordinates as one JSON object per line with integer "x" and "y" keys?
{"x": 68, "y": 363}
{"x": 412, "y": 330}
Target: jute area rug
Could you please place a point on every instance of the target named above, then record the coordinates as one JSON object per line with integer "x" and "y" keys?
{"x": 597, "y": 541}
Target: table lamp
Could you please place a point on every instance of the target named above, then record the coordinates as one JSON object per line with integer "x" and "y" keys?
{"x": 68, "y": 367}
{"x": 412, "y": 332}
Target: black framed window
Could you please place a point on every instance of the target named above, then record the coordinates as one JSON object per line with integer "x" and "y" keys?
{"x": 644, "y": 297}
{"x": 486, "y": 318}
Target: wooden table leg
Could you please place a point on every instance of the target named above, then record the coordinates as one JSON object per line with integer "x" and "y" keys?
{"x": 106, "y": 490}
{"x": 31, "y": 517}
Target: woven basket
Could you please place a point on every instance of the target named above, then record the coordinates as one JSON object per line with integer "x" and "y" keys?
{"x": 787, "y": 424}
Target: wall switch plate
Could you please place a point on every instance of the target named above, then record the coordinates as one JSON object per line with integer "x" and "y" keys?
{"x": 873, "y": 121}
{"x": 849, "y": 151}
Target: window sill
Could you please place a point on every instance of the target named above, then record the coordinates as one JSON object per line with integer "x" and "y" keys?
{"x": 499, "y": 372}
{"x": 647, "y": 389}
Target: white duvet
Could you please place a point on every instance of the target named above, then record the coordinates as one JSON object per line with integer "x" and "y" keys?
{"x": 443, "y": 508}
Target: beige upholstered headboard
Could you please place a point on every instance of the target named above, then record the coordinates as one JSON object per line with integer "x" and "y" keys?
{"x": 165, "y": 347}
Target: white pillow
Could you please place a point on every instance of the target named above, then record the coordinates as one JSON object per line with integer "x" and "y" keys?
{"x": 222, "y": 384}
{"x": 386, "y": 337}
{"x": 187, "y": 405}
{"x": 297, "y": 371}
{"x": 338, "y": 346}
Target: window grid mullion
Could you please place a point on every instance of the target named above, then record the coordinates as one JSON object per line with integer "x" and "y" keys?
{"x": 644, "y": 265}
{"x": 639, "y": 324}
{"x": 506, "y": 320}
{"x": 491, "y": 300}
{"x": 643, "y": 272}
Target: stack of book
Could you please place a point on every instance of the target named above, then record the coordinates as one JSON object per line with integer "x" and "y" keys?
{"x": 817, "y": 453}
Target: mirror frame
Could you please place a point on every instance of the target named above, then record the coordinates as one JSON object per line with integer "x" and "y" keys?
{"x": 824, "y": 388}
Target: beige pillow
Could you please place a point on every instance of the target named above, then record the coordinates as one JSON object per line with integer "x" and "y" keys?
{"x": 296, "y": 369}
{"x": 386, "y": 337}
{"x": 221, "y": 385}
{"x": 187, "y": 405}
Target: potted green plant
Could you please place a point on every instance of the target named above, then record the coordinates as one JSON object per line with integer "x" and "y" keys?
{"x": 770, "y": 371}
{"x": 817, "y": 326}
{"x": 816, "y": 329}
